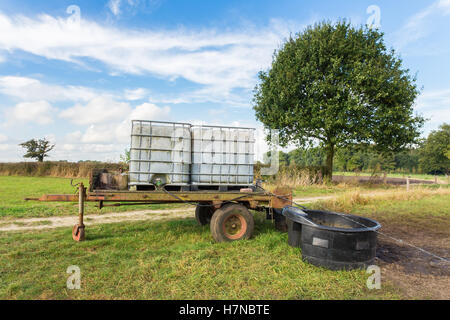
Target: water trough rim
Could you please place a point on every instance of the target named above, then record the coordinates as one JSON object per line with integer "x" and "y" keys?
{"x": 344, "y": 215}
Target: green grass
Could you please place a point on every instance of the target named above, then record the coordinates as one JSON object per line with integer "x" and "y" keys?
{"x": 177, "y": 259}
{"x": 317, "y": 190}
{"x": 338, "y": 189}
{"x": 13, "y": 190}
{"x": 169, "y": 260}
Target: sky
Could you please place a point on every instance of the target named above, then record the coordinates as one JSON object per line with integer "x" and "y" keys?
{"x": 76, "y": 72}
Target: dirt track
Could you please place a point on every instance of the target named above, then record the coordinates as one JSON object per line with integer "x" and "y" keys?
{"x": 415, "y": 273}
{"x": 92, "y": 219}
{"x": 378, "y": 180}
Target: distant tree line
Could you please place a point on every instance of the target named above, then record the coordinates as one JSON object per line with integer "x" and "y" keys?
{"x": 430, "y": 156}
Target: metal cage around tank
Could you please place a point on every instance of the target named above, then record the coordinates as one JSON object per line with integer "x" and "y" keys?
{"x": 160, "y": 151}
{"x": 222, "y": 155}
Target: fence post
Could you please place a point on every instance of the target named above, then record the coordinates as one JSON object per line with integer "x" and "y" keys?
{"x": 407, "y": 183}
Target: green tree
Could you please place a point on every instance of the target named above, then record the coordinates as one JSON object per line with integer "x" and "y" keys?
{"x": 307, "y": 157}
{"x": 384, "y": 162}
{"x": 283, "y": 158}
{"x": 338, "y": 85}
{"x": 37, "y": 149}
{"x": 125, "y": 157}
{"x": 353, "y": 158}
{"x": 435, "y": 151}
{"x": 408, "y": 160}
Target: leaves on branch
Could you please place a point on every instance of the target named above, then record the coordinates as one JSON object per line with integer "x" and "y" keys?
{"x": 37, "y": 149}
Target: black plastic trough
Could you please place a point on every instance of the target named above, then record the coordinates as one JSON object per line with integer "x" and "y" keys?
{"x": 330, "y": 239}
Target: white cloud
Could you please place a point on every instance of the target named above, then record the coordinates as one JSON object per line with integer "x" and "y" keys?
{"x": 209, "y": 93}
{"x": 29, "y": 89}
{"x": 68, "y": 147}
{"x": 224, "y": 59}
{"x": 116, "y": 123}
{"x": 120, "y": 131}
{"x": 11, "y": 152}
{"x": 418, "y": 26}
{"x": 135, "y": 94}
{"x": 106, "y": 122}
{"x": 39, "y": 112}
{"x": 219, "y": 61}
{"x": 149, "y": 111}
{"x": 114, "y": 6}
{"x": 94, "y": 151}
{"x": 97, "y": 110}
{"x": 435, "y": 105}
{"x": 73, "y": 136}
{"x": 99, "y": 134}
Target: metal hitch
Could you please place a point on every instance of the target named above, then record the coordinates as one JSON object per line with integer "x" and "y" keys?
{"x": 78, "y": 233}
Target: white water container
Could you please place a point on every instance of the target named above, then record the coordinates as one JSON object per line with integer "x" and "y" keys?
{"x": 160, "y": 153}
{"x": 222, "y": 155}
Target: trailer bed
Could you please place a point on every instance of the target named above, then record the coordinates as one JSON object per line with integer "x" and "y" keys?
{"x": 223, "y": 209}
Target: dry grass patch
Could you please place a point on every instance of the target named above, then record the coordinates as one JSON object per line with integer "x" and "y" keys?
{"x": 347, "y": 201}
{"x": 294, "y": 177}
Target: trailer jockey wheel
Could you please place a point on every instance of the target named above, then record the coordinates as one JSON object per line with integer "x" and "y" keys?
{"x": 78, "y": 233}
{"x": 232, "y": 222}
{"x": 203, "y": 213}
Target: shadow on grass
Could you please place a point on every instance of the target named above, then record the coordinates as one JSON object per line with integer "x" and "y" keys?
{"x": 176, "y": 228}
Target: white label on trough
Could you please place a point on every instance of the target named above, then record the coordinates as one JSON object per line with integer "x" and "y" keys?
{"x": 362, "y": 245}
{"x": 320, "y": 242}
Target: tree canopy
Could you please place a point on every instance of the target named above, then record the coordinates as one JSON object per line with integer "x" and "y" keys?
{"x": 435, "y": 151}
{"x": 37, "y": 149}
{"x": 338, "y": 85}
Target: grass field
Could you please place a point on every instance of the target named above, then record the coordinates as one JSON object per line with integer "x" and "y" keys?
{"x": 426, "y": 208}
{"x": 178, "y": 259}
{"x": 336, "y": 189}
{"x": 169, "y": 260}
{"x": 13, "y": 190}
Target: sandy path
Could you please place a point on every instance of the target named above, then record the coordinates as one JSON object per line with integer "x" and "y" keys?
{"x": 93, "y": 219}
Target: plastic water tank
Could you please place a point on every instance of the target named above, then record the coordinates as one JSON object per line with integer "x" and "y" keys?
{"x": 160, "y": 152}
{"x": 222, "y": 155}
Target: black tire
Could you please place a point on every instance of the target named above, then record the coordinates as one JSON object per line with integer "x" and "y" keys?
{"x": 203, "y": 213}
{"x": 232, "y": 222}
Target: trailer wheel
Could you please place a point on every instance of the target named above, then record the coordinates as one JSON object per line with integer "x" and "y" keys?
{"x": 78, "y": 233}
{"x": 232, "y": 222}
{"x": 203, "y": 213}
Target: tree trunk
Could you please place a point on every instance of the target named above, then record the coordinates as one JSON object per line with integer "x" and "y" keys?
{"x": 329, "y": 165}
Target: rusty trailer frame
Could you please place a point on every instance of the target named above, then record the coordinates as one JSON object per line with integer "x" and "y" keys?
{"x": 260, "y": 201}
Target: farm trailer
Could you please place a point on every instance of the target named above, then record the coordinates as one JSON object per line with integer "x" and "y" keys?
{"x": 227, "y": 212}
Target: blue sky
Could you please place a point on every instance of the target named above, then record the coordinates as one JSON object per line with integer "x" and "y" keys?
{"x": 78, "y": 79}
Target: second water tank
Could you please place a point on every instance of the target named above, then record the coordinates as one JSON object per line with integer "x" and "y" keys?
{"x": 222, "y": 155}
